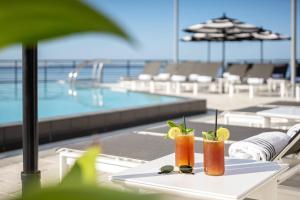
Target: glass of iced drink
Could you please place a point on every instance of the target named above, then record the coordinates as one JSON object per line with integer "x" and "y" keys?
{"x": 213, "y": 157}
{"x": 185, "y": 150}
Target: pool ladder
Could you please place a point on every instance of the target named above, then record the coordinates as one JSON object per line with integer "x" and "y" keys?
{"x": 96, "y": 72}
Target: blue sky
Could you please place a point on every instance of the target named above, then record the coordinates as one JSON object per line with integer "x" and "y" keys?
{"x": 150, "y": 23}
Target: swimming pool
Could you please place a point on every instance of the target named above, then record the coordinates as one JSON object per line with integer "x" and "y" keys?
{"x": 61, "y": 99}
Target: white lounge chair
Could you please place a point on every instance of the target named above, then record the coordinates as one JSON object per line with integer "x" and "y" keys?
{"x": 255, "y": 80}
{"x": 163, "y": 80}
{"x": 234, "y": 74}
{"x": 278, "y": 81}
{"x": 250, "y": 115}
{"x": 151, "y": 69}
{"x": 199, "y": 76}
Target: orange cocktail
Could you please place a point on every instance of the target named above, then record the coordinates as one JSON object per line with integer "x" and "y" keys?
{"x": 185, "y": 150}
{"x": 213, "y": 161}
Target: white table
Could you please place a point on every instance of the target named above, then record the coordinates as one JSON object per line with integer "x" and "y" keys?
{"x": 243, "y": 178}
{"x": 285, "y": 112}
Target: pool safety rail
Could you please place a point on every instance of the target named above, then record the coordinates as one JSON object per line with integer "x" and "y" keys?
{"x": 110, "y": 71}
{"x": 113, "y": 69}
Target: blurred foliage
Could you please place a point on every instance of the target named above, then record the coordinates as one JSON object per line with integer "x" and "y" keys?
{"x": 80, "y": 184}
{"x": 29, "y": 21}
{"x": 83, "y": 171}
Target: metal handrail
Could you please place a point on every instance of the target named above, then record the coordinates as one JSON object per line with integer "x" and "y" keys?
{"x": 57, "y": 69}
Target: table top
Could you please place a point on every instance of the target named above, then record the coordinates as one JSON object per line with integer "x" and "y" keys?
{"x": 240, "y": 179}
{"x": 288, "y": 112}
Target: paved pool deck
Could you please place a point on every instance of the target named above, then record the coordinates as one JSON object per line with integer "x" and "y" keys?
{"x": 11, "y": 162}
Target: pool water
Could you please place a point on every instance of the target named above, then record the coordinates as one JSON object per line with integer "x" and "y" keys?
{"x": 61, "y": 99}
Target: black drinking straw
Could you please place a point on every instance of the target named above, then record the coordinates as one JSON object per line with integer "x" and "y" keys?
{"x": 186, "y": 133}
{"x": 216, "y": 122}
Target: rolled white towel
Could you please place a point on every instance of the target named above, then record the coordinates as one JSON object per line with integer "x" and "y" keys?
{"x": 144, "y": 77}
{"x": 204, "y": 79}
{"x": 178, "y": 78}
{"x": 264, "y": 146}
{"x": 162, "y": 77}
{"x": 255, "y": 81}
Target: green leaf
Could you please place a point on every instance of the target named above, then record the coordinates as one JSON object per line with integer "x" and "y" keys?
{"x": 83, "y": 171}
{"x": 210, "y": 135}
{"x": 189, "y": 130}
{"x": 204, "y": 135}
{"x": 171, "y": 124}
{"x": 182, "y": 128}
{"x": 84, "y": 193}
{"x": 30, "y": 21}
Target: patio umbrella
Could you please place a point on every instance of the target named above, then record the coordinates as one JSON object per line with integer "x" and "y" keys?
{"x": 260, "y": 35}
{"x": 222, "y": 24}
{"x": 220, "y": 29}
{"x": 228, "y": 29}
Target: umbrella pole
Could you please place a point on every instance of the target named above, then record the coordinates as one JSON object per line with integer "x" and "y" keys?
{"x": 261, "y": 51}
{"x": 223, "y": 56}
{"x": 208, "y": 52}
{"x": 293, "y": 45}
{"x": 30, "y": 175}
{"x": 176, "y": 25}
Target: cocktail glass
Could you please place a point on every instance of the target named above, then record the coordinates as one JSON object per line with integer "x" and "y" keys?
{"x": 213, "y": 161}
{"x": 185, "y": 150}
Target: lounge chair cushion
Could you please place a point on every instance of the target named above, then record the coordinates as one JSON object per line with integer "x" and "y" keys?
{"x": 255, "y": 81}
{"x": 193, "y": 77}
{"x": 178, "y": 78}
{"x": 204, "y": 79}
{"x": 145, "y": 77}
{"x": 124, "y": 78}
{"x": 162, "y": 77}
{"x": 264, "y": 146}
{"x": 226, "y": 74}
{"x": 233, "y": 78}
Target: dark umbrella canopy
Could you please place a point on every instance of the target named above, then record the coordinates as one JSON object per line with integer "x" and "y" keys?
{"x": 229, "y": 29}
{"x": 220, "y": 29}
{"x": 222, "y": 24}
{"x": 254, "y": 36}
